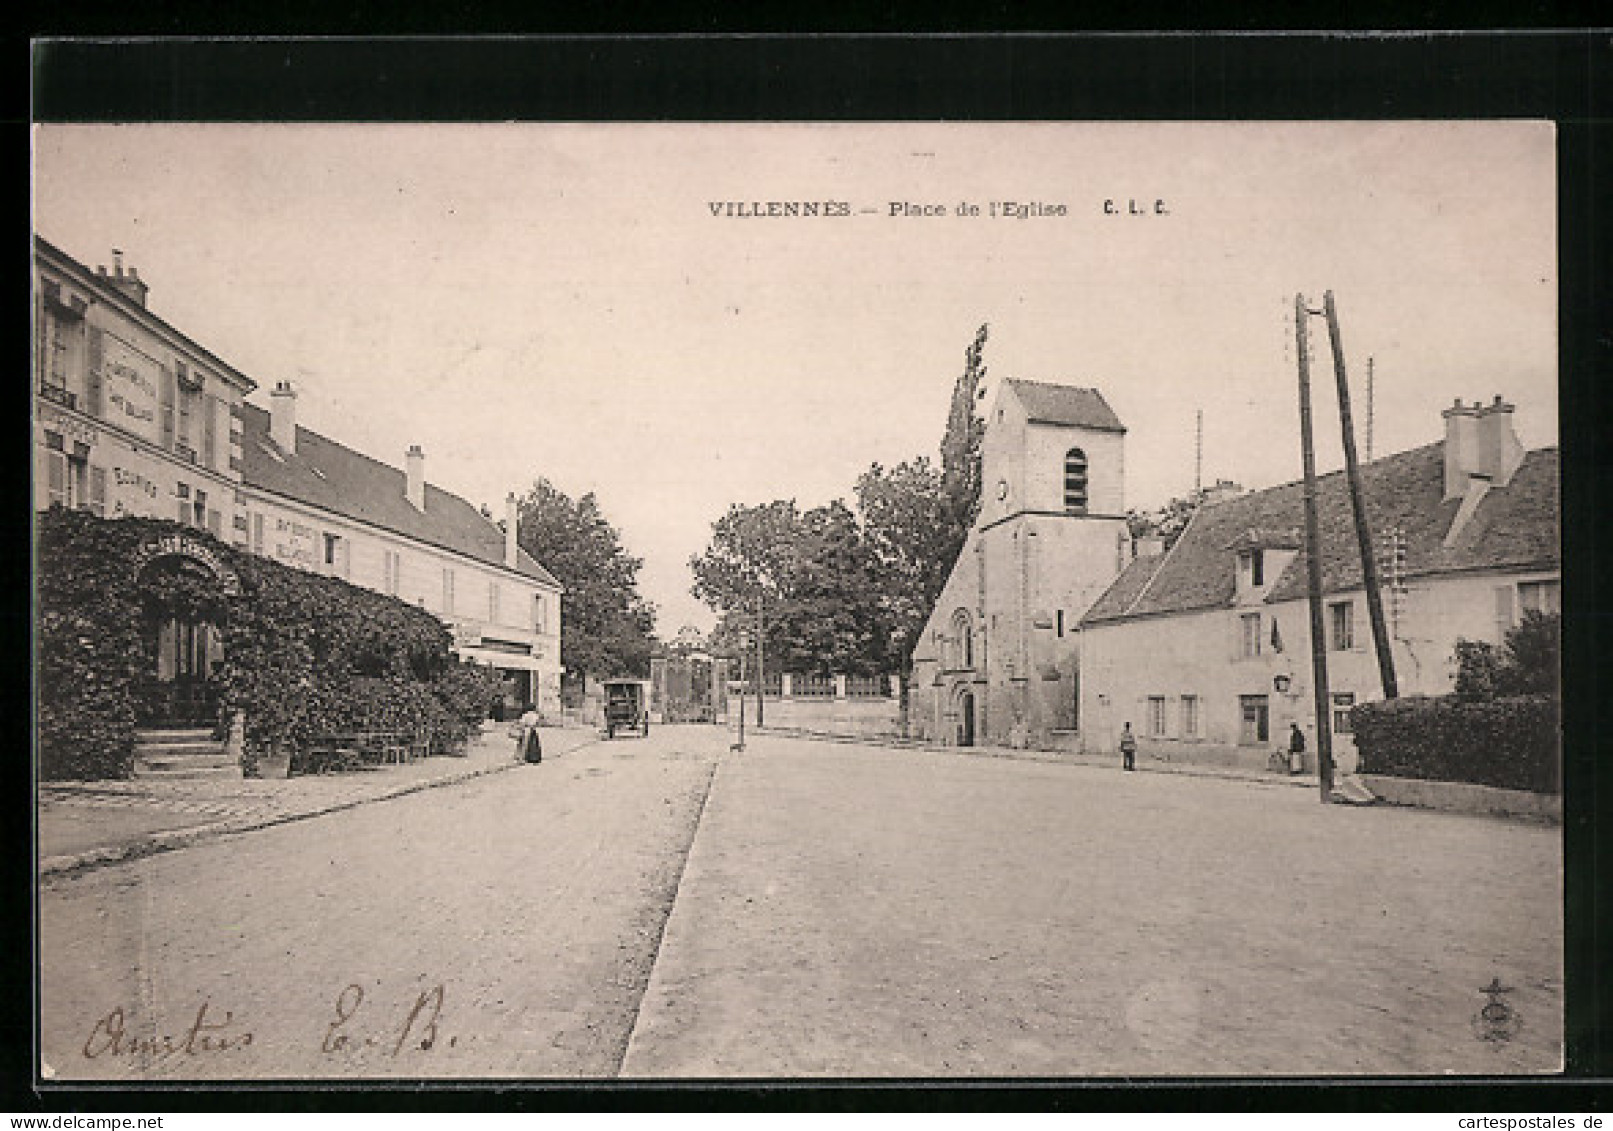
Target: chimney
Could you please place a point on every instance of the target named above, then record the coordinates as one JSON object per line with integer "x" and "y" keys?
{"x": 283, "y": 417}
{"x": 130, "y": 285}
{"x": 511, "y": 556}
{"x": 1463, "y": 459}
{"x": 415, "y": 463}
{"x": 1500, "y": 453}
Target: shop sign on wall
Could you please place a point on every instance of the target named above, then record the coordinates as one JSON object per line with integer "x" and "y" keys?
{"x": 184, "y": 546}
{"x": 131, "y": 388}
{"x": 295, "y": 543}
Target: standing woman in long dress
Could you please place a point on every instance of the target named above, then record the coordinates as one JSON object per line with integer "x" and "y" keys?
{"x": 531, "y": 744}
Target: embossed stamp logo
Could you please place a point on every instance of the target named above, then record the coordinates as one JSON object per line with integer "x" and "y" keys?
{"x": 1497, "y": 1020}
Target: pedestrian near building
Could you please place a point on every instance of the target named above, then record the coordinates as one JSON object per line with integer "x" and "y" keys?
{"x": 1128, "y": 749}
{"x": 529, "y": 746}
{"x": 1296, "y": 749}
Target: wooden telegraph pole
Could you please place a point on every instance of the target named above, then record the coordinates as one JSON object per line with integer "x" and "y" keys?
{"x": 1313, "y": 560}
{"x": 1363, "y": 535}
{"x": 759, "y": 668}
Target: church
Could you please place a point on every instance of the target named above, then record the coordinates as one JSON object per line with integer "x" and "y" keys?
{"x": 1056, "y": 628}
{"x": 997, "y": 662}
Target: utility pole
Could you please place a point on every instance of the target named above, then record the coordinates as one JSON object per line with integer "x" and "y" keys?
{"x": 1363, "y": 535}
{"x": 1313, "y": 561}
{"x": 744, "y": 651}
{"x": 1369, "y": 410}
{"x": 1198, "y": 459}
{"x": 759, "y": 666}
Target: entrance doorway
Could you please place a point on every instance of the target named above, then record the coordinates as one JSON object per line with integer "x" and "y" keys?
{"x": 182, "y": 614}
{"x": 966, "y": 719}
{"x": 1256, "y": 714}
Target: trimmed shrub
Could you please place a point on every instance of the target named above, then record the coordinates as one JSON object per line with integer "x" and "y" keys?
{"x": 1510, "y": 743}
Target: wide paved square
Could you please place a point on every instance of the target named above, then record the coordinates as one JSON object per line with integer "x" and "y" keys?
{"x": 857, "y": 911}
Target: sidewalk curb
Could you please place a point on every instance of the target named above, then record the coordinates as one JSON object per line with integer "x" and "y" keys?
{"x": 1047, "y": 757}
{"x": 169, "y": 840}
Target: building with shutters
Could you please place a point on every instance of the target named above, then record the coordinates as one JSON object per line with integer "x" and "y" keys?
{"x": 1056, "y": 628}
{"x": 133, "y": 417}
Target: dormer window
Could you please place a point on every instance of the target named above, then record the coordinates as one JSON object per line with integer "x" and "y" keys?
{"x": 1075, "y": 481}
{"x": 1252, "y": 563}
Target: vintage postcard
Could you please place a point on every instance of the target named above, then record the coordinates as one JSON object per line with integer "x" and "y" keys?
{"x": 691, "y": 601}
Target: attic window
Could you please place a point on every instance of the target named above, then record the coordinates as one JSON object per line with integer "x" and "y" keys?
{"x": 1253, "y": 563}
{"x": 270, "y": 451}
{"x": 316, "y": 471}
{"x": 1075, "y": 481}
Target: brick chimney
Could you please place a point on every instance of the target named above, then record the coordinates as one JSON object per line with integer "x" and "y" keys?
{"x": 1480, "y": 443}
{"x": 511, "y": 545}
{"x": 1463, "y": 461}
{"x": 1499, "y": 448}
{"x": 283, "y": 417}
{"x": 131, "y": 286}
{"x": 415, "y": 467}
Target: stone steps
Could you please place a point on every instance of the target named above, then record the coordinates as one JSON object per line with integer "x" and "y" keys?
{"x": 187, "y": 753}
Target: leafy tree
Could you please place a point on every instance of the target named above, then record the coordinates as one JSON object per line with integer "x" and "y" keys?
{"x": 606, "y": 624}
{"x": 1526, "y": 663}
{"x": 832, "y": 618}
{"x": 911, "y": 547}
{"x": 960, "y": 445}
{"x": 1166, "y": 521}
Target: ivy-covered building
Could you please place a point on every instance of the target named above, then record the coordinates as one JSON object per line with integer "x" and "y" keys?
{"x": 133, "y": 418}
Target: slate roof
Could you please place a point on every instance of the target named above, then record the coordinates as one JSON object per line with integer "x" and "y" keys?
{"x": 331, "y": 477}
{"x": 1065, "y": 404}
{"x": 1514, "y": 527}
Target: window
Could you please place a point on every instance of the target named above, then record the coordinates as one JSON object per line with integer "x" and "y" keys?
{"x": 1252, "y": 564}
{"x": 492, "y": 602}
{"x": 166, "y": 397}
{"x": 1540, "y": 596}
{"x": 198, "y": 509}
{"x": 336, "y": 555}
{"x": 963, "y": 631}
{"x": 1341, "y": 625}
{"x": 257, "y": 533}
{"x": 1156, "y": 716}
{"x": 209, "y": 431}
{"x": 97, "y": 500}
{"x": 1250, "y": 623}
{"x": 540, "y": 613}
{"x": 1075, "y": 481}
{"x": 1061, "y": 623}
{"x": 1342, "y": 702}
{"x": 447, "y": 590}
{"x": 1190, "y": 716}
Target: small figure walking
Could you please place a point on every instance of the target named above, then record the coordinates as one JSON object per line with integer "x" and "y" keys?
{"x": 1296, "y": 749}
{"x": 1128, "y": 749}
{"x": 530, "y": 746}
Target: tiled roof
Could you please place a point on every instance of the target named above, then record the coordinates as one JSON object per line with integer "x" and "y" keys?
{"x": 326, "y": 475}
{"x": 1126, "y": 588}
{"x": 1515, "y": 527}
{"x": 1065, "y": 404}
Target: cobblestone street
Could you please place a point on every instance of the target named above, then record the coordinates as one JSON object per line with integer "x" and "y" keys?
{"x": 668, "y": 908}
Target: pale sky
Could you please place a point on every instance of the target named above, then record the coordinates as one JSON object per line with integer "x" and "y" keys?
{"x": 559, "y": 301}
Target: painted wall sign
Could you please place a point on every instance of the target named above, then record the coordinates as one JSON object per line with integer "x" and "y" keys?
{"x": 131, "y": 388}
{"x": 69, "y": 426}
{"x": 295, "y": 543}
{"x": 184, "y": 546}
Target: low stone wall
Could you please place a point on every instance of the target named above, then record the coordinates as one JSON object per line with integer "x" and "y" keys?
{"x": 1464, "y": 797}
{"x": 857, "y": 718}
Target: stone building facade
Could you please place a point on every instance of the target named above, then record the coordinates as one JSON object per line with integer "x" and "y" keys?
{"x": 133, "y": 417}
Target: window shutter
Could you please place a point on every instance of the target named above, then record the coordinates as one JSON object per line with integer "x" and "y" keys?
{"x": 209, "y": 429}
{"x": 56, "y": 478}
{"x": 1503, "y": 611}
{"x": 93, "y": 395}
{"x": 257, "y": 533}
{"x": 98, "y": 491}
{"x": 166, "y": 398}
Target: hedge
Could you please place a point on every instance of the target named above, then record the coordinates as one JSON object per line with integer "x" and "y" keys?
{"x": 304, "y": 654}
{"x": 1510, "y": 743}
